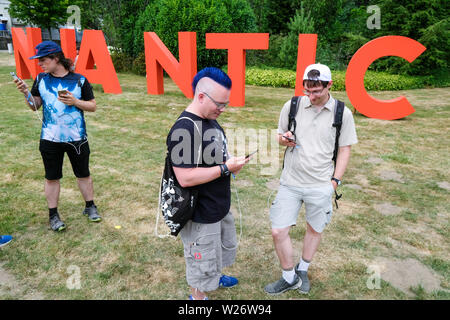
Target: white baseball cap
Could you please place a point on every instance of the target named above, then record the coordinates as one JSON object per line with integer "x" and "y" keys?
{"x": 324, "y": 72}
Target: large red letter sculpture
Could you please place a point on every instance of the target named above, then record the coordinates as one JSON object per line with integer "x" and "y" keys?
{"x": 306, "y": 55}
{"x": 24, "y": 48}
{"x": 158, "y": 57}
{"x": 397, "y": 108}
{"x": 68, "y": 43}
{"x": 237, "y": 43}
{"x": 93, "y": 51}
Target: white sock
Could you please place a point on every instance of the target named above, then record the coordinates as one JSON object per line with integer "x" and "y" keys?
{"x": 303, "y": 265}
{"x": 289, "y": 275}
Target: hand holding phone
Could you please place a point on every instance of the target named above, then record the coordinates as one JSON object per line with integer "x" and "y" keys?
{"x": 21, "y": 85}
{"x": 250, "y": 154}
{"x": 15, "y": 77}
{"x": 62, "y": 92}
{"x": 289, "y": 139}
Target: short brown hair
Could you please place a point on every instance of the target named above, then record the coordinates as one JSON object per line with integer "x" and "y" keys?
{"x": 314, "y": 83}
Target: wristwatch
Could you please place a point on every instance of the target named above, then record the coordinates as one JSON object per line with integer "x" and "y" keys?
{"x": 224, "y": 172}
{"x": 339, "y": 182}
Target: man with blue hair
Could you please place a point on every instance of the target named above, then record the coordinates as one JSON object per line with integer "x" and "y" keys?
{"x": 198, "y": 149}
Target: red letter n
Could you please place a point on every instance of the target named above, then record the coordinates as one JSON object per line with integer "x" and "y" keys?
{"x": 158, "y": 57}
{"x": 24, "y": 48}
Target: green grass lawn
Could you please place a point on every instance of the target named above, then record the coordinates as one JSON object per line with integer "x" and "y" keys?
{"x": 127, "y": 139}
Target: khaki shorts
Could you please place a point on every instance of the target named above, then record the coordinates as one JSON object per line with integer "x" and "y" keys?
{"x": 289, "y": 200}
{"x": 207, "y": 249}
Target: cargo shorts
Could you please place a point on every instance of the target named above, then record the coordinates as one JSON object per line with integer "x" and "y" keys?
{"x": 288, "y": 202}
{"x": 208, "y": 248}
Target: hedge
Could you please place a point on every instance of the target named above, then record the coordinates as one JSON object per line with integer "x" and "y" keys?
{"x": 373, "y": 81}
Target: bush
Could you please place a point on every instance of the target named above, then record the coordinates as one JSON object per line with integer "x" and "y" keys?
{"x": 373, "y": 81}
{"x": 139, "y": 65}
{"x": 167, "y": 17}
{"x": 121, "y": 61}
{"x": 267, "y": 58}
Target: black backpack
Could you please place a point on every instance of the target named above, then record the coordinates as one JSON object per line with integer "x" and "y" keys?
{"x": 339, "y": 112}
{"x": 177, "y": 204}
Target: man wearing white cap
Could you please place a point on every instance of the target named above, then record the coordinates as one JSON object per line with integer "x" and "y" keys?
{"x": 309, "y": 175}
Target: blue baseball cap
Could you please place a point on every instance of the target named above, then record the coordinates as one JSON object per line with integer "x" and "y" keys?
{"x": 45, "y": 48}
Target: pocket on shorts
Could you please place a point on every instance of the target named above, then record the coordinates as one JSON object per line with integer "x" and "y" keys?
{"x": 204, "y": 259}
{"x": 328, "y": 214}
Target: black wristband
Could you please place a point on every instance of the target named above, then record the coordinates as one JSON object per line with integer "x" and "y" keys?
{"x": 221, "y": 169}
{"x": 226, "y": 171}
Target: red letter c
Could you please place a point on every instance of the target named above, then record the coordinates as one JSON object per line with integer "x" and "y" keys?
{"x": 399, "y": 46}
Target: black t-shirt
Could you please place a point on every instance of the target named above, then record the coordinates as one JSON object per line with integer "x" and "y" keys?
{"x": 203, "y": 143}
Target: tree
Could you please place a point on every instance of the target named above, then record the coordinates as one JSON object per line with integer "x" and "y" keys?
{"x": 117, "y": 19}
{"x": 40, "y": 13}
{"x": 167, "y": 17}
{"x": 301, "y": 23}
{"x": 426, "y": 21}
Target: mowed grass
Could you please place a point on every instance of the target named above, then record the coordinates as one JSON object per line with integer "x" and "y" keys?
{"x": 127, "y": 138}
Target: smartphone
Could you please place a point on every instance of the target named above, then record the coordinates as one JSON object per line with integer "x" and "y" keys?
{"x": 61, "y": 92}
{"x": 289, "y": 139}
{"x": 250, "y": 154}
{"x": 15, "y": 77}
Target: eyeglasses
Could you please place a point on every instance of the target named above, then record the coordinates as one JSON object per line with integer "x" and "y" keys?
{"x": 218, "y": 104}
{"x": 315, "y": 92}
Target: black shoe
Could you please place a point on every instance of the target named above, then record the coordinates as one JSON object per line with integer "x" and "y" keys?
{"x": 92, "y": 213}
{"x": 282, "y": 285}
{"x": 56, "y": 224}
{"x": 305, "y": 287}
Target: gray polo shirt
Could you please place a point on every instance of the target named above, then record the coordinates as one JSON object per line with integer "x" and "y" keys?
{"x": 310, "y": 164}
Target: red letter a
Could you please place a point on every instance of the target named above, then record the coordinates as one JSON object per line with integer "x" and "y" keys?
{"x": 93, "y": 51}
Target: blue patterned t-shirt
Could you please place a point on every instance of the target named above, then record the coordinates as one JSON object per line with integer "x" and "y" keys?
{"x": 62, "y": 123}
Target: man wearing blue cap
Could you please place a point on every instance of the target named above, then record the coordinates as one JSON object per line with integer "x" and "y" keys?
{"x": 309, "y": 175}
{"x": 64, "y": 96}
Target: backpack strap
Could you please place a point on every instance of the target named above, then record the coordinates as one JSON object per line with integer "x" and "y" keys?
{"x": 338, "y": 114}
{"x": 199, "y": 133}
{"x": 292, "y": 124}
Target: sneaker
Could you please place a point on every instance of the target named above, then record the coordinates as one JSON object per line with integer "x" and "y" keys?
{"x": 303, "y": 275}
{"x": 4, "y": 240}
{"x": 92, "y": 213}
{"x": 282, "y": 285}
{"x": 56, "y": 224}
{"x": 192, "y": 298}
{"x": 227, "y": 281}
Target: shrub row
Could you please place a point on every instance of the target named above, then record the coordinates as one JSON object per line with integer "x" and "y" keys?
{"x": 373, "y": 81}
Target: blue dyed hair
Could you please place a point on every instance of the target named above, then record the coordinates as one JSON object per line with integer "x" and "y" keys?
{"x": 214, "y": 73}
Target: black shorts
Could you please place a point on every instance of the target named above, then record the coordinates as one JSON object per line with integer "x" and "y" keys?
{"x": 53, "y": 155}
